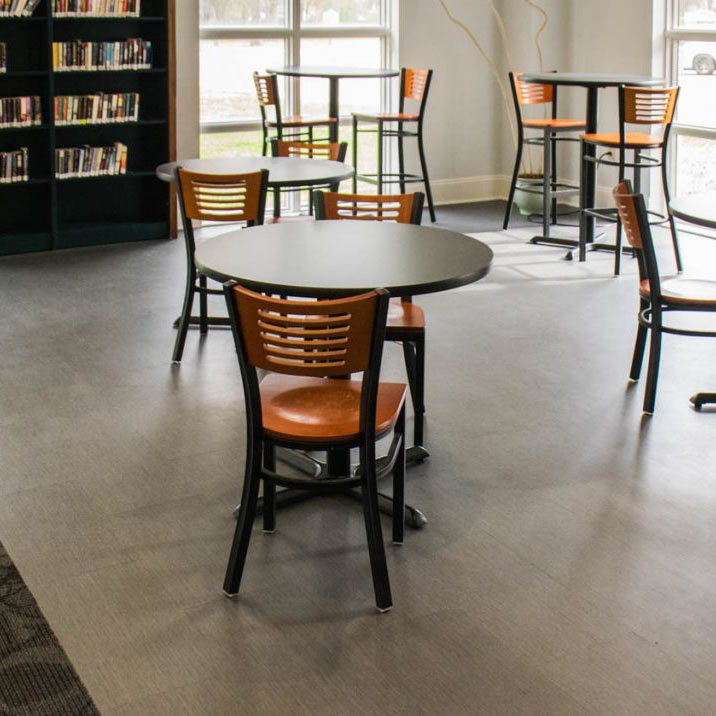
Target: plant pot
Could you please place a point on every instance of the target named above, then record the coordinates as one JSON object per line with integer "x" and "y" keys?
{"x": 529, "y": 203}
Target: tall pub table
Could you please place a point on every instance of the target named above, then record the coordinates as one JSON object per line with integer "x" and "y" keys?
{"x": 329, "y": 259}
{"x": 698, "y": 209}
{"x": 333, "y": 75}
{"x": 592, "y": 82}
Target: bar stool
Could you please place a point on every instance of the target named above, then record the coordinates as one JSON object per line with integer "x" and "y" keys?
{"x": 639, "y": 106}
{"x": 267, "y": 93}
{"x": 414, "y": 86}
{"x": 525, "y": 94}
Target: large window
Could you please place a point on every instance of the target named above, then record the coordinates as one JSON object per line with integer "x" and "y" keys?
{"x": 691, "y": 44}
{"x": 239, "y": 37}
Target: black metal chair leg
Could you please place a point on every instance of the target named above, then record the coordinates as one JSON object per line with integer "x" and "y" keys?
{"x": 276, "y": 203}
{"x": 653, "y": 372}
{"x": 419, "y": 401}
{"x": 426, "y": 178}
{"x": 269, "y": 504}
{"x": 513, "y": 185}
{"x": 355, "y": 155}
{"x": 379, "y": 175}
{"x": 371, "y": 513}
{"x": 401, "y": 158}
{"x": 546, "y": 183}
{"x": 554, "y": 179}
{"x": 183, "y": 321}
{"x": 638, "y": 357}
{"x": 618, "y": 242}
{"x": 582, "y": 202}
{"x": 399, "y": 482}
{"x": 672, "y": 223}
{"x": 203, "y": 306}
{"x": 245, "y": 520}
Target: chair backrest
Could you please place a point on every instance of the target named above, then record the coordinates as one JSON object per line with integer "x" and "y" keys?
{"x": 266, "y": 89}
{"x": 527, "y": 93}
{"x": 223, "y": 197}
{"x": 306, "y": 150}
{"x": 635, "y": 223}
{"x": 309, "y": 338}
{"x": 402, "y": 208}
{"x": 415, "y": 85}
{"x": 649, "y": 105}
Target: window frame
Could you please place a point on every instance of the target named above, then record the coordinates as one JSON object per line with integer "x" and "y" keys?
{"x": 292, "y": 34}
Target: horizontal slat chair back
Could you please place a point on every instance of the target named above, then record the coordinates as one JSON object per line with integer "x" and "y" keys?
{"x": 306, "y": 150}
{"x": 647, "y": 105}
{"x": 415, "y": 83}
{"x": 306, "y": 338}
{"x": 265, "y": 89}
{"x": 532, "y": 92}
{"x": 222, "y": 197}
{"x": 370, "y": 207}
{"x": 626, "y": 206}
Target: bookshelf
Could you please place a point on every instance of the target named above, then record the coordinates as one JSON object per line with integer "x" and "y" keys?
{"x": 46, "y": 212}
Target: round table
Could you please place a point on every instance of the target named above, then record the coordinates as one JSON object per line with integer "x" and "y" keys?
{"x": 699, "y": 209}
{"x": 592, "y": 82}
{"x": 337, "y": 258}
{"x": 284, "y": 172}
{"x": 333, "y": 75}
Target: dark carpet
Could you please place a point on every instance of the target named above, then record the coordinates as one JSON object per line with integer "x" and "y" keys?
{"x": 36, "y": 677}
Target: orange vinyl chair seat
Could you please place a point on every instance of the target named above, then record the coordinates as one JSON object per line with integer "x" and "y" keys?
{"x": 633, "y": 140}
{"x": 305, "y": 410}
{"x": 680, "y": 290}
{"x": 298, "y": 121}
{"x": 403, "y": 316}
{"x": 390, "y": 116}
{"x": 555, "y": 123}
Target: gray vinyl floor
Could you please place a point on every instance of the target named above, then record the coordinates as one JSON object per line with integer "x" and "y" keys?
{"x": 569, "y": 562}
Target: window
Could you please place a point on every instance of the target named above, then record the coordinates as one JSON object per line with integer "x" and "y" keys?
{"x": 239, "y": 37}
{"x": 691, "y": 54}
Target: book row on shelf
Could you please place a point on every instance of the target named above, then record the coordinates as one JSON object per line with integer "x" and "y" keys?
{"x": 18, "y": 8}
{"x": 79, "y": 55}
{"x": 13, "y": 166}
{"x": 89, "y": 161}
{"x": 97, "y": 108}
{"x": 3, "y": 57}
{"x": 96, "y": 8}
{"x": 20, "y": 111}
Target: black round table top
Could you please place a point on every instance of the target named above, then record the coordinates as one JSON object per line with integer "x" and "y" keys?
{"x": 697, "y": 209}
{"x": 334, "y": 258}
{"x": 283, "y": 171}
{"x": 332, "y": 72}
{"x": 590, "y": 79}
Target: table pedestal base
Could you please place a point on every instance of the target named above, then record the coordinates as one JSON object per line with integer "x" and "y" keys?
{"x": 700, "y": 399}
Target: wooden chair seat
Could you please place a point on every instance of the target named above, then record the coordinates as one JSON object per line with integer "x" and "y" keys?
{"x": 681, "y": 290}
{"x": 555, "y": 123}
{"x": 388, "y": 117}
{"x": 306, "y": 410}
{"x": 298, "y": 121}
{"x": 404, "y": 317}
{"x": 633, "y": 140}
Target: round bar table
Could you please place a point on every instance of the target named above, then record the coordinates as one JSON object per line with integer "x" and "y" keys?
{"x": 325, "y": 259}
{"x": 284, "y": 172}
{"x": 592, "y": 82}
{"x": 333, "y": 75}
{"x": 698, "y": 209}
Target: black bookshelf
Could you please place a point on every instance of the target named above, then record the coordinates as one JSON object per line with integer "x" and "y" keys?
{"x": 47, "y": 213}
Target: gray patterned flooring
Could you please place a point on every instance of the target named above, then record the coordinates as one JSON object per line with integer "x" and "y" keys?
{"x": 568, "y": 563}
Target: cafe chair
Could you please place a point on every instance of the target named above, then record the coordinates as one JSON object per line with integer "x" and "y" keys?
{"x": 334, "y": 151}
{"x": 551, "y": 129}
{"x": 414, "y": 87}
{"x": 659, "y": 295}
{"x": 406, "y": 320}
{"x": 308, "y": 402}
{"x": 643, "y": 107}
{"x": 212, "y": 197}
{"x": 273, "y": 123}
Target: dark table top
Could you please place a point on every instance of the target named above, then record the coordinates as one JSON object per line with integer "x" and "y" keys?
{"x": 591, "y": 79}
{"x": 697, "y": 209}
{"x": 283, "y": 171}
{"x": 332, "y": 72}
{"x": 333, "y": 258}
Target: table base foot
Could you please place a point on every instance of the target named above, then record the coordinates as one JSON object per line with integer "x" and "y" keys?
{"x": 700, "y": 399}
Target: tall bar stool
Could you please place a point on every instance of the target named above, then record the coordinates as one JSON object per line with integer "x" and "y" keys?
{"x": 267, "y": 94}
{"x": 525, "y": 94}
{"x": 414, "y": 86}
{"x": 212, "y": 197}
{"x": 640, "y": 106}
